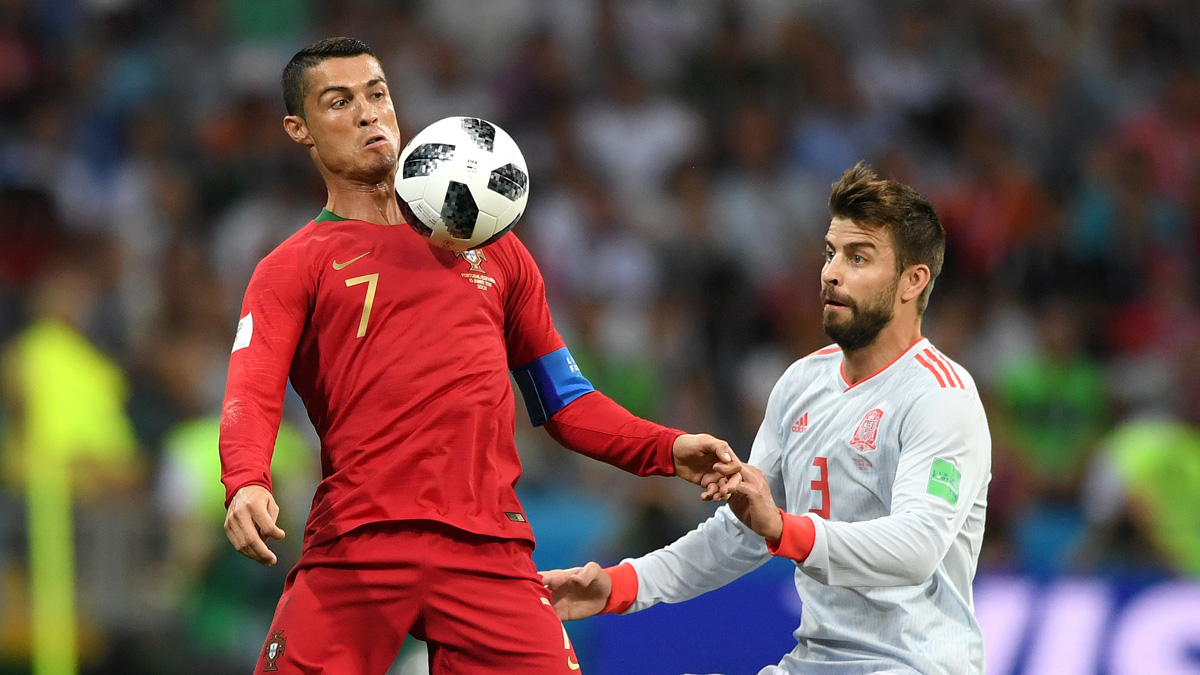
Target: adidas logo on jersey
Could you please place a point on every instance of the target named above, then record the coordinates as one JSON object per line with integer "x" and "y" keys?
{"x": 801, "y": 424}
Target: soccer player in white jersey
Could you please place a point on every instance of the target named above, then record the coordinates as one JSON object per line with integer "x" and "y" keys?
{"x": 877, "y": 449}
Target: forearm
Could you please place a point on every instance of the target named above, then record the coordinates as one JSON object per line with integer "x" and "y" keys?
{"x": 596, "y": 426}
{"x": 246, "y": 450}
{"x": 719, "y": 551}
{"x": 897, "y": 550}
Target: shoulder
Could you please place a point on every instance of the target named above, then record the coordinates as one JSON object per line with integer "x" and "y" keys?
{"x": 803, "y": 372}
{"x": 929, "y": 370}
{"x": 826, "y": 359}
{"x": 298, "y": 245}
{"x": 823, "y": 359}
{"x": 509, "y": 247}
{"x": 940, "y": 390}
{"x": 511, "y": 256}
{"x": 826, "y": 352}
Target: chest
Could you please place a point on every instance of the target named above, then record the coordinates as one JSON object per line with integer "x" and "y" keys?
{"x": 840, "y": 454}
{"x": 394, "y": 284}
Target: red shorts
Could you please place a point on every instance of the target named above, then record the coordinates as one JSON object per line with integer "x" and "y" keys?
{"x": 477, "y": 602}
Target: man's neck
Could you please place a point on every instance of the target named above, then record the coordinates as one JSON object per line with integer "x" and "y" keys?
{"x": 892, "y": 341}
{"x": 374, "y": 203}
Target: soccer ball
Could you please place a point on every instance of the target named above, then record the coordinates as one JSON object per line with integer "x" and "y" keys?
{"x": 462, "y": 183}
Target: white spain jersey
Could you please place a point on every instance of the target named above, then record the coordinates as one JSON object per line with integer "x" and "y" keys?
{"x": 893, "y": 471}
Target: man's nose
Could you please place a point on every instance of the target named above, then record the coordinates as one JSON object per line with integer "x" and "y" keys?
{"x": 831, "y": 274}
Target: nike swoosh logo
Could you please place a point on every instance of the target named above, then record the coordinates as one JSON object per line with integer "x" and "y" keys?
{"x": 338, "y": 266}
{"x": 571, "y": 664}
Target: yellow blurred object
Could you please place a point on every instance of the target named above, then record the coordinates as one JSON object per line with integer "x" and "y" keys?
{"x": 72, "y": 400}
{"x": 70, "y": 421}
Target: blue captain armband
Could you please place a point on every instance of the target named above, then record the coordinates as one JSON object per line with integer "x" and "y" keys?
{"x": 548, "y": 384}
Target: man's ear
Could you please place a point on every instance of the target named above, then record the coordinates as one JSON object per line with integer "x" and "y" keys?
{"x": 913, "y": 282}
{"x": 297, "y": 128}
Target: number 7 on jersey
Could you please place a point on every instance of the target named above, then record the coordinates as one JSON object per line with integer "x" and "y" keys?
{"x": 371, "y": 280}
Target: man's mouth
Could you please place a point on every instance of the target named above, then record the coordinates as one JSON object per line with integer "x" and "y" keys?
{"x": 831, "y": 301}
{"x": 373, "y": 140}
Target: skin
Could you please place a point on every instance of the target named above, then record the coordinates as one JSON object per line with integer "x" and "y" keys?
{"x": 860, "y": 277}
{"x": 347, "y": 105}
{"x": 349, "y": 127}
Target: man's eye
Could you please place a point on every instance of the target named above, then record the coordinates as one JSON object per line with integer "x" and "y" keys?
{"x": 379, "y": 94}
{"x": 858, "y": 260}
{"x": 340, "y": 103}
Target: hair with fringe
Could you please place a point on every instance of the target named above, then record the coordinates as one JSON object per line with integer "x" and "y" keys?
{"x": 869, "y": 201}
{"x": 294, "y": 82}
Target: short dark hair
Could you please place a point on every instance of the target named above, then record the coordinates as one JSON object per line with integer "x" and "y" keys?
{"x": 869, "y": 201}
{"x": 294, "y": 83}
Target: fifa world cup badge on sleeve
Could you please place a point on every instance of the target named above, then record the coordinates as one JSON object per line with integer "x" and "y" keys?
{"x": 244, "y": 330}
{"x": 944, "y": 480}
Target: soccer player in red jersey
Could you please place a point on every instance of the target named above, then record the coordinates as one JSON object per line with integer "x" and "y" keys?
{"x": 402, "y": 352}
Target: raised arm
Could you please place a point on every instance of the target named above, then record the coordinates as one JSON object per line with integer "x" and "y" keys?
{"x": 717, "y": 552}
{"x": 559, "y": 396}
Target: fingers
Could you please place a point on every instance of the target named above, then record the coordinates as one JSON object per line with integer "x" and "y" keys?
{"x": 250, "y": 518}
{"x": 728, "y": 462}
{"x": 244, "y": 536}
{"x": 731, "y": 484}
{"x": 264, "y": 520}
{"x": 584, "y": 576}
{"x": 554, "y": 579}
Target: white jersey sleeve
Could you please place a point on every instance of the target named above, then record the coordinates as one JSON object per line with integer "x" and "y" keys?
{"x": 945, "y": 462}
{"x": 721, "y": 549}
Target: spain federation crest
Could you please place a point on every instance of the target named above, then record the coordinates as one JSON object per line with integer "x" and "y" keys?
{"x": 867, "y": 432}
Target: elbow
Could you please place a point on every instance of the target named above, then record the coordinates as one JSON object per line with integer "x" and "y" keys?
{"x": 919, "y": 570}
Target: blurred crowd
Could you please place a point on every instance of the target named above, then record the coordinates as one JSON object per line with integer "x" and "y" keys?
{"x": 681, "y": 153}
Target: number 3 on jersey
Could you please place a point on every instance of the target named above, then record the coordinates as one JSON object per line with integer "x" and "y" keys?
{"x": 371, "y": 280}
{"x": 820, "y": 486}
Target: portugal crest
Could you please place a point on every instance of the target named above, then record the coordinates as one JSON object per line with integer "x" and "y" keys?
{"x": 867, "y": 431}
{"x": 476, "y": 258}
{"x": 274, "y": 650}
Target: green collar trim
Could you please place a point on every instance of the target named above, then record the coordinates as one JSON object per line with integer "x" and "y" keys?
{"x": 326, "y": 214}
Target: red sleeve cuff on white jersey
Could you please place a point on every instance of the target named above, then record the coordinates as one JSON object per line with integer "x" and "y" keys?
{"x": 796, "y": 542}
{"x": 624, "y": 588}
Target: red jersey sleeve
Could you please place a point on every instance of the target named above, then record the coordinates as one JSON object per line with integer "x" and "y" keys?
{"x": 596, "y": 426}
{"x": 592, "y": 424}
{"x": 528, "y": 329}
{"x": 274, "y": 312}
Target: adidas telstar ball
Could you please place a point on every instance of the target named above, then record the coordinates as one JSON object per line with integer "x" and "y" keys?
{"x": 462, "y": 183}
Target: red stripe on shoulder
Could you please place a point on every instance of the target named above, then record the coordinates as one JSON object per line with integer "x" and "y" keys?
{"x": 933, "y": 370}
{"x": 936, "y": 358}
{"x": 953, "y": 370}
{"x": 828, "y": 350}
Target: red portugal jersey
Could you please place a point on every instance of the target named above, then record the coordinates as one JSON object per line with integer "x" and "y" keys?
{"x": 401, "y": 353}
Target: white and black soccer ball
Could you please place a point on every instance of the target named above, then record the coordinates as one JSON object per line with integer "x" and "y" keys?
{"x": 462, "y": 183}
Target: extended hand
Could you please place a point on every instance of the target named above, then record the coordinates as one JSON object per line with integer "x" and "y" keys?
{"x": 708, "y": 462}
{"x": 754, "y": 505}
{"x": 250, "y": 521}
{"x": 578, "y": 592}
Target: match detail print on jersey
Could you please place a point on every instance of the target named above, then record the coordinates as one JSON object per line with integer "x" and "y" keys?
{"x": 245, "y": 329}
{"x": 944, "y": 480}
